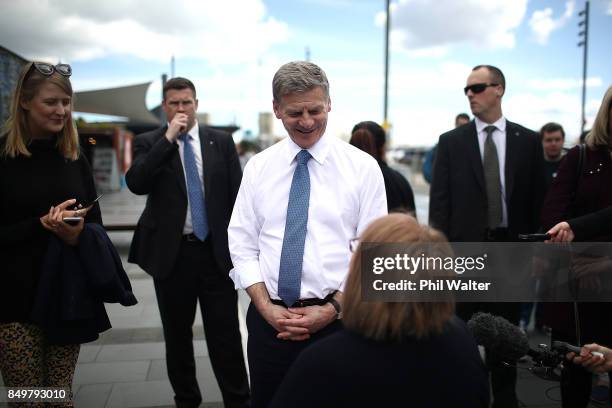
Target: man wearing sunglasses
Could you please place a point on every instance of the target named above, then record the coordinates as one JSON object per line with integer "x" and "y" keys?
{"x": 488, "y": 184}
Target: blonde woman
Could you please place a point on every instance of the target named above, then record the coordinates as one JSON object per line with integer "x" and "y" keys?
{"x": 42, "y": 178}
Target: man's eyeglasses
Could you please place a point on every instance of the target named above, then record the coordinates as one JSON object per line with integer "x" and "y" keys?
{"x": 48, "y": 69}
{"x": 477, "y": 88}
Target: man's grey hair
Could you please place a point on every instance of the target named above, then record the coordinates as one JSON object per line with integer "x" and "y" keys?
{"x": 298, "y": 77}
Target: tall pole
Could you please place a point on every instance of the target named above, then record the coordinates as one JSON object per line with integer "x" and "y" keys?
{"x": 162, "y": 114}
{"x": 386, "y": 101}
{"x": 386, "y": 96}
{"x": 585, "y": 45}
{"x": 172, "y": 67}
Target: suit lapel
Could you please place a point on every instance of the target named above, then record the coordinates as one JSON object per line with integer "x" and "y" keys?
{"x": 473, "y": 154}
{"x": 176, "y": 166}
{"x": 512, "y": 155}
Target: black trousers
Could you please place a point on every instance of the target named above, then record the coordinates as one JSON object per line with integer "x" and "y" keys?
{"x": 197, "y": 277}
{"x": 271, "y": 358}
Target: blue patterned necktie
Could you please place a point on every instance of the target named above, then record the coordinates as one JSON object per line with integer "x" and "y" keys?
{"x": 292, "y": 255}
{"x": 199, "y": 219}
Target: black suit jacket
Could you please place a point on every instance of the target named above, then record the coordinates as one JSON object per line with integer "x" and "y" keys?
{"x": 75, "y": 283}
{"x": 158, "y": 172}
{"x": 458, "y": 197}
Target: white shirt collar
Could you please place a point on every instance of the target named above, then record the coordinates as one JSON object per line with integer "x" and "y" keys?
{"x": 500, "y": 124}
{"x": 318, "y": 151}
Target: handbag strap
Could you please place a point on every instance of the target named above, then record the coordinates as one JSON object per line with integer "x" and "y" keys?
{"x": 581, "y": 158}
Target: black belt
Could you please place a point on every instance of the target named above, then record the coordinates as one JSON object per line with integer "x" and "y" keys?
{"x": 192, "y": 238}
{"x": 496, "y": 234}
{"x": 306, "y": 302}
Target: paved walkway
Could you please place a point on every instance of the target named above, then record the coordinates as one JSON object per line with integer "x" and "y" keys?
{"x": 126, "y": 367}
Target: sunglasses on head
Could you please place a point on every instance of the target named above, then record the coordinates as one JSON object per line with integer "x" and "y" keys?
{"x": 477, "y": 88}
{"x": 49, "y": 69}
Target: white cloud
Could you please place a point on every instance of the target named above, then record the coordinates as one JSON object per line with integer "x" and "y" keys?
{"x": 562, "y": 84}
{"x": 543, "y": 24}
{"x": 153, "y": 30}
{"x": 424, "y": 24}
{"x": 609, "y": 10}
{"x": 534, "y": 110}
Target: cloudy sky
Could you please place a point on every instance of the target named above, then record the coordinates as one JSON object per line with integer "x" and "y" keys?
{"x": 231, "y": 49}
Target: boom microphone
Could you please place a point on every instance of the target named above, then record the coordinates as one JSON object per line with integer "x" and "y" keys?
{"x": 503, "y": 341}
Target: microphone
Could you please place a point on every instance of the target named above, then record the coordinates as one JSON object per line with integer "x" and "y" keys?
{"x": 503, "y": 342}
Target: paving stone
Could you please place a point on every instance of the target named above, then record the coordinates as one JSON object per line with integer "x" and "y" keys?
{"x": 88, "y": 353}
{"x": 148, "y": 335}
{"x": 141, "y": 394}
{"x": 120, "y": 371}
{"x": 92, "y": 395}
{"x": 131, "y": 352}
{"x": 204, "y": 373}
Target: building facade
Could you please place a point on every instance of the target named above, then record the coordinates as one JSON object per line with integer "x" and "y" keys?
{"x": 10, "y": 66}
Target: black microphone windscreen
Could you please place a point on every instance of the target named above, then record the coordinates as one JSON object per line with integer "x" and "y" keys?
{"x": 502, "y": 340}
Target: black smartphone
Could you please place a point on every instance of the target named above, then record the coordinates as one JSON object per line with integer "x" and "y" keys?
{"x": 88, "y": 204}
{"x": 72, "y": 220}
{"x": 534, "y": 237}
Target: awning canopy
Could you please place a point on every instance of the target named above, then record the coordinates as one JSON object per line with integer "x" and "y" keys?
{"x": 125, "y": 101}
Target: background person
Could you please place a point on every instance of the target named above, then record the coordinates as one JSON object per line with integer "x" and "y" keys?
{"x": 427, "y": 169}
{"x": 390, "y": 354}
{"x": 42, "y": 176}
{"x": 553, "y": 137}
{"x": 191, "y": 175}
{"x": 371, "y": 138}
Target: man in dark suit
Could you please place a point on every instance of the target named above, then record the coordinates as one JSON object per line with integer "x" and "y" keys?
{"x": 191, "y": 175}
{"x": 488, "y": 185}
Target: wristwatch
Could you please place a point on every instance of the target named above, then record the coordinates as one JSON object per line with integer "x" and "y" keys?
{"x": 336, "y": 306}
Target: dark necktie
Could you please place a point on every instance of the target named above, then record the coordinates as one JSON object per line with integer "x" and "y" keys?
{"x": 292, "y": 255}
{"x": 199, "y": 219}
{"x": 490, "y": 163}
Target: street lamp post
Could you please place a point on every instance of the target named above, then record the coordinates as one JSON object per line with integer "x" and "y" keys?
{"x": 584, "y": 34}
{"x": 386, "y": 100}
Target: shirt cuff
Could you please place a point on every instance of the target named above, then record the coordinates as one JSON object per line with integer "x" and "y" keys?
{"x": 246, "y": 275}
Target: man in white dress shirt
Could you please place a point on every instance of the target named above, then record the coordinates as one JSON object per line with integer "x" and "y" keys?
{"x": 294, "y": 267}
